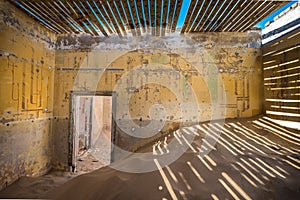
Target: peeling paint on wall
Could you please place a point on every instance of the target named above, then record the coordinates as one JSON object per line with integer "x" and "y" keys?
{"x": 218, "y": 67}
{"x": 26, "y": 93}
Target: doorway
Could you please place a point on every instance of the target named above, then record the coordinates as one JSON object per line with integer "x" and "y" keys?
{"x": 91, "y": 131}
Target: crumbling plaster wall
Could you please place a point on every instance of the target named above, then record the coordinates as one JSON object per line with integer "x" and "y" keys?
{"x": 219, "y": 74}
{"x": 27, "y": 57}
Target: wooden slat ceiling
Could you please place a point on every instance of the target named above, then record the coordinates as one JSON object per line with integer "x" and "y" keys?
{"x": 227, "y": 15}
{"x": 156, "y": 17}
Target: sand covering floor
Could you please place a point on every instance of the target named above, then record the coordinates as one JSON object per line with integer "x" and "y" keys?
{"x": 252, "y": 159}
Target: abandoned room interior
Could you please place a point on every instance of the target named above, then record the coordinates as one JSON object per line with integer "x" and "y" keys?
{"x": 150, "y": 99}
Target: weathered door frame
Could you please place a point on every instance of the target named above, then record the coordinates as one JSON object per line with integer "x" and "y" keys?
{"x": 73, "y": 95}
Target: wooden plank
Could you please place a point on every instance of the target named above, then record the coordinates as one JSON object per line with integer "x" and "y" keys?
{"x": 286, "y": 95}
{"x": 284, "y": 42}
{"x": 284, "y": 84}
{"x": 284, "y": 118}
{"x": 280, "y": 108}
{"x": 284, "y": 57}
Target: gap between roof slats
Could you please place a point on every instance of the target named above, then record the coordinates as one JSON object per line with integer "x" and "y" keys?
{"x": 191, "y": 14}
{"x": 262, "y": 14}
{"x": 122, "y": 12}
{"x": 172, "y": 15}
{"x": 228, "y": 13}
{"x": 164, "y": 17}
{"x": 131, "y": 22}
{"x": 134, "y": 11}
{"x": 175, "y": 18}
{"x": 113, "y": 19}
{"x": 196, "y": 18}
{"x": 118, "y": 16}
{"x": 47, "y": 15}
{"x": 246, "y": 15}
{"x": 157, "y": 17}
{"x": 200, "y": 8}
{"x": 219, "y": 18}
{"x": 92, "y": 20}
{"x": 73, "y": 24}
{"x": 107, "y": 16}
{"x": 202, "y": 15}
{"x": 215, "y": 15}
{"x": 55, "y": 18}
{"x": 143, "y": 12}
{"x": 99, "y": 12}
{"x": 235, "y": 14}
{"x": 104, "y": 21}
{"x": 85, "y": 19}
{"x": 132, "y": 14}
{"x": 209, "y": 14}
{"x": 36, "y": 15}
{"x": 168, "y": 16}
{"x": 152, "y": 14}
{"x": 254, "y": 14}
{"x": 246, "y": 7}
{"x": 147, "y": 17}
{"x": 59, "y": 19}
{"x": 100, "y": 23}
{"x": 82, "y": 28}
{"x": 140, "y": 15}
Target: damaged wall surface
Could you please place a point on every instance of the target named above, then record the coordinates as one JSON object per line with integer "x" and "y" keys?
{"x": 26, "y": 95}
{"x": 159, "y": 82}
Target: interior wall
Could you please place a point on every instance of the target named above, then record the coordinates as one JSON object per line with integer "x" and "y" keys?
{"x": 216, "y": 72}
{"x": 26, "y": 95}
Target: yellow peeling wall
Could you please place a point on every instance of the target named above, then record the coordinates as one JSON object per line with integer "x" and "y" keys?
{"x": 26, "y": 95}
{"x": 195, "y": 78}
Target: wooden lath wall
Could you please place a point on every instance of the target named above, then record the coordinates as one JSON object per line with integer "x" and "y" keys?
{"x": 281, "y": 63}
